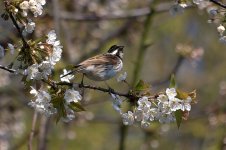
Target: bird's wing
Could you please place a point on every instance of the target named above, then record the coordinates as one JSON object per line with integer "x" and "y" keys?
{"x": 99, "y": 60}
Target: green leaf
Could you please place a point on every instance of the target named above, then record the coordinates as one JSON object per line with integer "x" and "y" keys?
{"x": 77, "y": 107}
{"x": 58, "y": 103}
{"x": 182, "y": 95}
{"x": 172, "y": 81}
{"x": 142, "y": 86}
{"x": 178, "y": 115}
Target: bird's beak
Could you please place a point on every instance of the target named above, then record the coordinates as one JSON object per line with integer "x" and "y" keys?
{"x": 121, "y": 47}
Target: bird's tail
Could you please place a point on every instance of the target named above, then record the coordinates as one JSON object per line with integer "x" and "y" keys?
{"x": 71, "y": 72}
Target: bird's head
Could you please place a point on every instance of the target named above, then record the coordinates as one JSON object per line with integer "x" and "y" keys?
{"x": 116, "y": 50}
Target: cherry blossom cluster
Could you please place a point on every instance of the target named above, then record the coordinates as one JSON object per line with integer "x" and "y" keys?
{"x": 54, "y": 50}
{"x": 35, "y": 6}
{"x": 161, "y": 109}
{"x": 221, "y": 30}
{"x": 42, "y": 102}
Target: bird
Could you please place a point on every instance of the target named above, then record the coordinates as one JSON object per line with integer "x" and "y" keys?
{"x": 101, "y": 67}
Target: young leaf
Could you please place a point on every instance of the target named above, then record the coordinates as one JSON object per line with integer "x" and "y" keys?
{"x": 178, "y": 115}
{"x": 142, "y": 86}
{"x": 181, "y": 94}
{"x": 172, "y": 81}
{"x": 193, "y": 96}
{"x": 76, "y": 107}
{"x": 58, "y": 103}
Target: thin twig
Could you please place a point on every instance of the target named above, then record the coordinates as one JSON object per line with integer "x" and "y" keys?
{"x": 7, "y": 4}
{"x": 218, "y": 3}
{"x": 7, "y": 69}
{"x": 127, "y": 95}
{"x": 43, "y": 131}
{"x": 34, "y": 120}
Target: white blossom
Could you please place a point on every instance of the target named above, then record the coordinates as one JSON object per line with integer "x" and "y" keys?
{"x": 2, "y": 51}
{"x": 24, "y": 13}
{"x": 128, "y": 118}
{"x": 42, "y": 102}
{"x": 66, "y": 78}
{"x": 144, "y": 103}
{"x": 186, "y": 104}
{"x": 162, "y": 98}
{"x": 45, "y": 69}
{"x": 72, "y": 96}
{"x": 33, "y": 72}
{"x": 33, "y": 91}
{"x": 183, "y": 5}
{"x": 145, "y": 124}
{"x": 51, "y": 37}
{"x": 70, "y": 115}
{"x": 152, "y": 114}
{"x": 171, "y": 93}
{"x": 117, "y": 101}
{"x": 35, "y": 6}
{"x": 197, "y": 2}
{"x": 138, "y": 115}
{"x": 223, "y": 39}
{"x": 175, "y": 104}
{"x": 42, "y": 2}
{"x": 24, "y": 5}
{"x": 30, "y": 26}
{"x": 122, "y": 77}
{"x": 11, "y": 48}
{"x": 57, "y": 48}
{"x": 220, "y": 29}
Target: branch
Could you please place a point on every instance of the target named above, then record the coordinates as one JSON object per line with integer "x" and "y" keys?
{"x": 7, "y": 69}
{"x": 7, "y": 4}
{"x": 127, "y": 95}
{"x": 43, "y": 132}
{"x": 218, "y": 3}
{"x": 53, "y": 85}
{"x": 35, "y": 116}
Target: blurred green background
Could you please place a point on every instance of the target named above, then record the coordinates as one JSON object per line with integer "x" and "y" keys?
{"x": 99, "y": 127}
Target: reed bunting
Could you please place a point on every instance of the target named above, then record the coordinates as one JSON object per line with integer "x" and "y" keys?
{"x": 101, "y": 67}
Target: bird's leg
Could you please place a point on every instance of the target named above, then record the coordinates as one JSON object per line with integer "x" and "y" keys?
{"x": 111, "y": 90}
{"x": 82, "y": 79}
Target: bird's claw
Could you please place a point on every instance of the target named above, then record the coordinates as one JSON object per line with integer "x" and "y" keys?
{"x": 110, "y": 90}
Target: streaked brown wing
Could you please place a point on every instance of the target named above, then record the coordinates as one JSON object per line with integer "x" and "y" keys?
{"x": 100, "y": 60}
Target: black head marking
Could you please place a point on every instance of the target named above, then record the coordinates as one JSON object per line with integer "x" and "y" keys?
{"x": 116, "y": 50}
